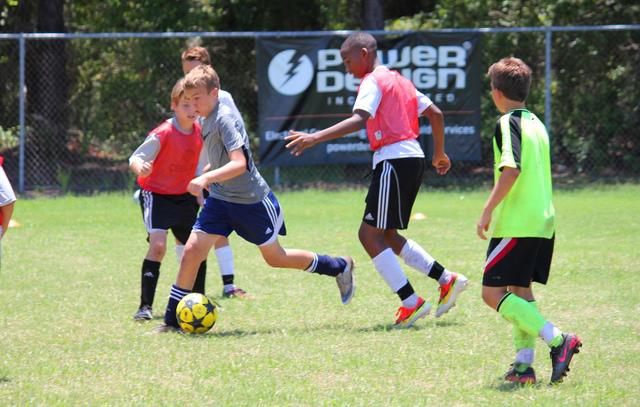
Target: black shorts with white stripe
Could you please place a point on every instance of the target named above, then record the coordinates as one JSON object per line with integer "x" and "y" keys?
{"x": 164, "y": 212}
{"x": 518, "y": 261}
{"x": 393, "y": 190}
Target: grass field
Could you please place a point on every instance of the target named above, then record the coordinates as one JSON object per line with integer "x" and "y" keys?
{"x": 70, "y": 280}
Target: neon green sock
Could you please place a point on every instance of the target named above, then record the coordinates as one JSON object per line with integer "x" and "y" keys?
{"x": 522, "y": 314}
{"x": 521, "y": 339}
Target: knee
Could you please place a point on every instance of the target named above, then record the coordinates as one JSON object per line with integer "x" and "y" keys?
{"x": 192, "y": 254}
{"x": 273, "y": 260}
{"x": 486, "y": 298}
{"x": 158, "y": 249}
{"x": 491, "y": 297}
{"x": 362, "y": 236}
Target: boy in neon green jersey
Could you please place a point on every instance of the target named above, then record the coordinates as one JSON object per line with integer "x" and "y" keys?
{"x": 521, "y": 244}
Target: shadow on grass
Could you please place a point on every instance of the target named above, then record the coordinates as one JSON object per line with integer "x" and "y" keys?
{"x": 389, "y": 328}
{"x": 509, "y": 387}
{"x": 4, "y": 379}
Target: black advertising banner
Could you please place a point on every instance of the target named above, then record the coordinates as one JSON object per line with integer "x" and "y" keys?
{"x": 303, "y": 86}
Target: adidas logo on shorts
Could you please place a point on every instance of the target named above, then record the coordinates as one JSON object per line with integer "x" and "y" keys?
{"x": 369, "y": 216}
{"x": 269, "y": 230}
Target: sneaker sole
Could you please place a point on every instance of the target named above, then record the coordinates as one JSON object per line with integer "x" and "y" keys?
{"x": 352, "y": 262}
{"x": 423, "y": 312}
{"x": 457, "y": 289}
{"x": 522, "y": 380}
{"x": 570, "y": 357}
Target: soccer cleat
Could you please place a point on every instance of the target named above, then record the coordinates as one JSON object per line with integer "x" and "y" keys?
{"x": 346, "y": 281}
{"x": 408, "y": 316}
{"x": 236, "y": 292}
{"x": 143, "y": 314}
{"x": 449, "y": 293}
{"x": 561, "y": 356}
{"x": 160, "y": 329}
{"x": 528, "y": 376}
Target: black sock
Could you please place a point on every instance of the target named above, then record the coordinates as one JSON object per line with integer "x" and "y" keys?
{"x": 405, "y": 291}
{"x": 175, "y": 295}
{"x": 436, "y": 271}
{"x": 227, "y": 279}
{"x": 327, "y": 265}
{"x": 148, "y": 281}
{"x": 198, "y": 285}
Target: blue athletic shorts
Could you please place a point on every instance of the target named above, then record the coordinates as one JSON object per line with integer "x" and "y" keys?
{"x": 258, "y": 223}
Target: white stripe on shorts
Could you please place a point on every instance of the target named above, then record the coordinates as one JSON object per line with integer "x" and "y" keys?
{"x": 496, "y": 250}
{"x": 277, "y": 220}
{"x": 271, "y": 211}
{"x": 383, "y": 195}
{"x": 147, "y": 209}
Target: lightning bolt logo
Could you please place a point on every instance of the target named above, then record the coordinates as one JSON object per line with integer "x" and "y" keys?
{"x": 290, "y": 72}
{"x": 293, "y": 64}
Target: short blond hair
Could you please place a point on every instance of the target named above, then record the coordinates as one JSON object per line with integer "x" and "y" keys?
{"x": 178, "y": 91}
{"x": 199, "y": 54}
{"x": 202, "y": 76}
{"x": 512, "y": 77}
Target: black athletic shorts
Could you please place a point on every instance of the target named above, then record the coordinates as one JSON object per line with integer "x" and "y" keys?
{"x": 518, "y": 261}
{"x": 163, "y": 212}
{"x": 393, "y": 190}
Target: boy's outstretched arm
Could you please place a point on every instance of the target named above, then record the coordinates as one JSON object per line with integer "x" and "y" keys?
{"x": 237, "y": 165}
{"x": 500, "y": 190}
{"x": 440, "y": 160}
{"x": 299, "y": 141}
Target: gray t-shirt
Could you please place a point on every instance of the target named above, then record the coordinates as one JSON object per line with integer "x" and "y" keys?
{"x": 222, "y": 132}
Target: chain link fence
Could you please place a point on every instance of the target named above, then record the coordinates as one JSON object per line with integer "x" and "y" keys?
{"x": 90, "y": 101}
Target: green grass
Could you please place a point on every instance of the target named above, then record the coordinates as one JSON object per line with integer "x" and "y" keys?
{"x": 69, "y": 285}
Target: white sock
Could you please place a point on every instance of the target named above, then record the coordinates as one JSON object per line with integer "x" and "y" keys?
{"x": 549, "y": 332}
{"x": 411, "y": 301}
{"x": 415, "y": 256}
{"x": 224, "y": 255}
{"x": 179, "y": 251}
{"x": 525, "y": 356}
{"x": 445, "y": 277}
{"x": 389, "y": 268}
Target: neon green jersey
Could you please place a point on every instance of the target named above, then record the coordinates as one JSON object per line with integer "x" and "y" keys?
{"x": 521, "y": 141}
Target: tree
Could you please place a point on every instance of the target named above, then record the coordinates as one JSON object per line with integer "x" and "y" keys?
{"x": 47, "y": 87}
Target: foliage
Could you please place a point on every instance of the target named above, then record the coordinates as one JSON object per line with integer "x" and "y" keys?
{"x": 596, "y": 81}
{"x": 118, "y": 89}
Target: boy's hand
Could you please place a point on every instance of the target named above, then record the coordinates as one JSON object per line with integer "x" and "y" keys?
{"x": 299, "y": 141}
{"x": 196, "y": 186}
{"x": 483, "y": 224}
{"x": 441, "y": 163}
{"x": 145, "y": 168}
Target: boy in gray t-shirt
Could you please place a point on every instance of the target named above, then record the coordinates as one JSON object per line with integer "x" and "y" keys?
{"x": 240, "y": 200}
{"x": 191, "y": 58}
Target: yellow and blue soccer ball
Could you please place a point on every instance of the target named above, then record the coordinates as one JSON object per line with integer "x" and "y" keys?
{"x": 196, "y": 313}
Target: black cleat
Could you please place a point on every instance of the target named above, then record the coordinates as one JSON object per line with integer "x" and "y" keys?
{"x": 528, "y": 376}
{"x": 143, "y": 314}
{"x": 561, "y": 356}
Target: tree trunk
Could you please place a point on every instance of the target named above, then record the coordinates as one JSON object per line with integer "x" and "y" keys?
{"x": 47, "y": 87}
{"x": 372, "y": 15}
